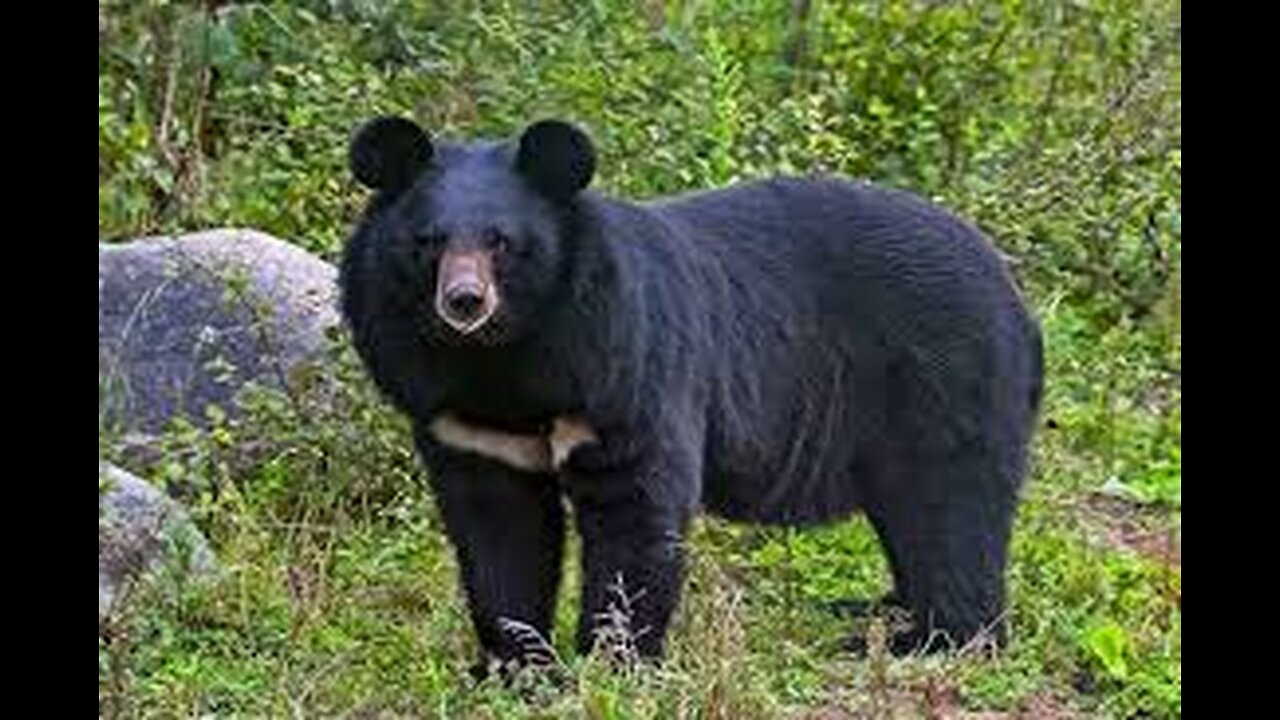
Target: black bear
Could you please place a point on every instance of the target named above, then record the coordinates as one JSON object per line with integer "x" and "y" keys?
{"x": 783, "y": 351}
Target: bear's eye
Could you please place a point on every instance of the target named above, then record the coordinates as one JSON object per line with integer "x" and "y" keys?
{"x": 496, "y": 242}
{"x": 429, "y": 240}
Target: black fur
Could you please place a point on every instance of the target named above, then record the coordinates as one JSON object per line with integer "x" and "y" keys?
{"x": 785, "y": 351}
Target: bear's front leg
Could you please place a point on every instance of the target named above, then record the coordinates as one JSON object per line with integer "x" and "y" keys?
{"x": 633, "y": 517}
{"x": 507, "y": 527}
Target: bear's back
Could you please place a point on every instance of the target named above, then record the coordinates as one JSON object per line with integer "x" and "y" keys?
{"x": 846, "y": 312}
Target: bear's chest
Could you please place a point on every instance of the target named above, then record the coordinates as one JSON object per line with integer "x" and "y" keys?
{"x": 520, "y": 397}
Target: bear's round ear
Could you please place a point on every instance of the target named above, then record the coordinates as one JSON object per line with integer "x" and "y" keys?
{"x": 556, "y": 158}
{"x": 387, "y": 153}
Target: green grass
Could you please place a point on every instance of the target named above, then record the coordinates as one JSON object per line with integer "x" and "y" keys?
{"x": 1056, "y": 126}
{"x": 340, "y": 596}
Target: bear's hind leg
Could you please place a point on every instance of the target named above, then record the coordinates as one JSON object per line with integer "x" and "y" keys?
{"x": 945, "y": 529}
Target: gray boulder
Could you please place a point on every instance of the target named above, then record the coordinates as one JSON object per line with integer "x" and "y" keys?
{"x": 141, "y": 530}
{"x": 184, "y": 323}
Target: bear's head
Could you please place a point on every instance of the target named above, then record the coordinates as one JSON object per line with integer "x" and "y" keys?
{"x": 475, "y": 235}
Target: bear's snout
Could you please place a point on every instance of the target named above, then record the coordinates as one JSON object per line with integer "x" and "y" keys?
{"x": 466, "y": 295}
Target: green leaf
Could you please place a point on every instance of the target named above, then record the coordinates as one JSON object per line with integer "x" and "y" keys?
{"x": 1108, "y": 645}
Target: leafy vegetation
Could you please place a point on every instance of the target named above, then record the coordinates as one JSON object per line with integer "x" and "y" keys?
{"x": 1055, "y": 126}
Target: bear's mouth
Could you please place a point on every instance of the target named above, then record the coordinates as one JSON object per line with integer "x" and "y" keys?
{"x": 466, "y": 294}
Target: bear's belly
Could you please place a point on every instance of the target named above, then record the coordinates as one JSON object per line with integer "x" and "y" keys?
{"x": 807, "y": 483}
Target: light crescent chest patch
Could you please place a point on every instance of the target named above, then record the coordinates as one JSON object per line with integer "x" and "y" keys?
{"x": 522, "y": 451}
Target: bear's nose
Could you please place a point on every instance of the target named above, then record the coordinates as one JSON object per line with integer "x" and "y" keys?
{"x": 464, "y": 303}
{"x": 466, "y": 296}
